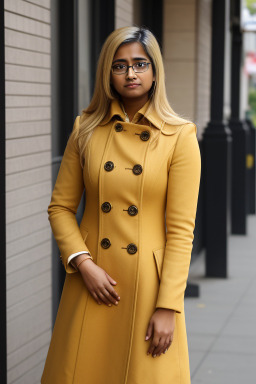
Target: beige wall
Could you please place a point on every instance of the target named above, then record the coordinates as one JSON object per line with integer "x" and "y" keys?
{"x": 28, "y": 187}
{"x": 179, "y": 51}
{"x": 123, "y": 13}
{"x": 186, "y": 51}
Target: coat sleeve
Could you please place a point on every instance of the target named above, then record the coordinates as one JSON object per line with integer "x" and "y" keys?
{"x": 181, "y": 205}
{"x": 64, "y": 203}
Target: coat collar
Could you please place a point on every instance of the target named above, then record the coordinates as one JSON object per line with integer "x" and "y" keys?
{"x": 115, "y": 109}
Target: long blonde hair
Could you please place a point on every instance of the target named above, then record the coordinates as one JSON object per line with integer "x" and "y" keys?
{"x": 104, "y": 93}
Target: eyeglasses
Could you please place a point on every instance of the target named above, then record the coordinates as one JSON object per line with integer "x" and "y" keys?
{"x": 120, "y": 69}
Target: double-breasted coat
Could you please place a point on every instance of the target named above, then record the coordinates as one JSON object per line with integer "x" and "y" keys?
{"x": 143, "y": 240}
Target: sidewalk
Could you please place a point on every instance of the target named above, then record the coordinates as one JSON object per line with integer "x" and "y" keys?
{"x": 221, "y": 323}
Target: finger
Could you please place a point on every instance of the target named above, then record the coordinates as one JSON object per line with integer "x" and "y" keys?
{"x": 95, "y": 296}
{"x": 153, "y": 345}
{"x": 113, "y": 293}
{"x": 157, "y": 351}
{"x": 167, "y": 344}
{"x": 149, "y": 331}
{"x": 103, "y": 298}
{"x": 112, "y": 281}
{"x": 164, "y": 348}
{"x": 110, "y": 298}
{"x": 160, "y": 348}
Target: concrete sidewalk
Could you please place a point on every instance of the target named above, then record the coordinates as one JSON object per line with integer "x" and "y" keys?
{"x": 221, "y": 323}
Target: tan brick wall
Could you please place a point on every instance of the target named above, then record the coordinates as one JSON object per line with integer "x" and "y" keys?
{"x": 187, "y": 57}
{"x": 28, "y": 187}
{"x": 179, "y": 52}
{"x": 123, "y": 13}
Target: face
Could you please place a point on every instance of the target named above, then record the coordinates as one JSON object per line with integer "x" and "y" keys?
{"x": 131, "y": 84}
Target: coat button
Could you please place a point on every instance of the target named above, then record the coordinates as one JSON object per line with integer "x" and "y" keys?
{"x": 132, "y": 210}
{"x": 145, "y": 135}
{"x": 131, "y": 248}
{"x": 108, "y": 166}
{"x": 137, "y": 169}
{"x": 105, "y": 243}
{"x": 118, "y": 127}
{"x": 106, "y": 206}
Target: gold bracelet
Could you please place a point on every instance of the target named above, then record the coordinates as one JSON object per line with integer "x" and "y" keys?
{"x": 87, "y": 257}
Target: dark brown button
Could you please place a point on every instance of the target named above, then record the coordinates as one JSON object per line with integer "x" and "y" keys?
{"x": 145, "y": 135}
{"x": 108, "y": 166}
{"x": 105, "y": 243}
{"x": 137, "y": 169}
{"x": 131, "y": 248}
{"x": 132, "y": 210}
{"x": 106, "y": 206}
{"x": 118, "y": 127}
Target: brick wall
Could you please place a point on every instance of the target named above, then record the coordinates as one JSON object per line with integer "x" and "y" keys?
{"x": 28, "y": 187}
{"x": 179, "y": 51}
{"x": 187, "y": 57}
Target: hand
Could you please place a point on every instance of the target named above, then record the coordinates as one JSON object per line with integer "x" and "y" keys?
{"x": 99, "y": 283}
{"x": 161, "y": 327}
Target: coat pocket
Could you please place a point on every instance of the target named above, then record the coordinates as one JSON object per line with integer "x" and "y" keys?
{"x": 159, "y": 258}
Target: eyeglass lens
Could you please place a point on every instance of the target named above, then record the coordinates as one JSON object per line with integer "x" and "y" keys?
{"x": 137, "y": 67}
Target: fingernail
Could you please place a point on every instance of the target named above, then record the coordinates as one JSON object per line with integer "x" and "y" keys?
{"x": 116, "y": 302}
{"x": 109, "y": 305}
{"x": 146, "y": 337}
{"x": 154, "y": 355}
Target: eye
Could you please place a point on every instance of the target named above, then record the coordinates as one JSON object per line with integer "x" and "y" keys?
{"x": 119, "y": 66}
{"x": 140, "y": 64}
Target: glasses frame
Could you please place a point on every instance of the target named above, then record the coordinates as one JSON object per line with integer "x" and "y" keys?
{"x": 131, "y": 66}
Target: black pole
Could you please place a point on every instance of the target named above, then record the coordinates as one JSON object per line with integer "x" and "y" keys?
{"x": 3, "y": 325}
{"x": 67, "y": 69}
{"x": 216, "y": 155}
{"x": 151, "y": 16}
{"x": 103, "y": 23}
{"x": 239, "y": 130}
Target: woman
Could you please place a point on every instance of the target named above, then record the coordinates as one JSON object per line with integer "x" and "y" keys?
{"x": 121, "y": 315}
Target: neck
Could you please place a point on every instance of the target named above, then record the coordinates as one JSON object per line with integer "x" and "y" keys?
{"x": 132, "y": 106}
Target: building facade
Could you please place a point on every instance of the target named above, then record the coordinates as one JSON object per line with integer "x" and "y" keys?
{"x": 49, "y": 51}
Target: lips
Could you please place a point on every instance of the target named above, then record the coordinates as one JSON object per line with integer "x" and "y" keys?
{"x": 132, "y": 85}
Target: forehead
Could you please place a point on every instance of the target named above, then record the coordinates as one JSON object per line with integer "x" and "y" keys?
{"x": 129, "y": 51}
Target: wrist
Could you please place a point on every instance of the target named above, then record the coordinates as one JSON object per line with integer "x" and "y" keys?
{"x": 83, "y": 263}
{"x": 166, "y": 309}
{"x": 78, "y": 259}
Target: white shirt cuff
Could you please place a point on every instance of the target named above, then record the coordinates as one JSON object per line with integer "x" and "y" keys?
{"x": 76, "y": 254}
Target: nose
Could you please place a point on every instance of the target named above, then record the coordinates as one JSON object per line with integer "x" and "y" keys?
{"x": 131, "y": 74}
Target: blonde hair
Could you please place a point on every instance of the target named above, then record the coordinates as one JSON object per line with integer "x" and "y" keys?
{"x": 104, "y": 93}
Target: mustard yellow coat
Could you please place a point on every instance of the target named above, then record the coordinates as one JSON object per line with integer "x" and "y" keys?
{"x": 97, "y": 344}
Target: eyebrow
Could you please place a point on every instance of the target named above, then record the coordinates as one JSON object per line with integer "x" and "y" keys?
{"x": 135, "y": 58}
